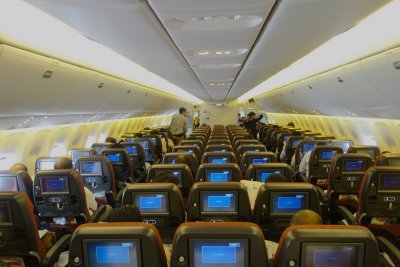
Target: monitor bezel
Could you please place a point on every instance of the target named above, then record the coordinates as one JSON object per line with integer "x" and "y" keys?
{"x": 363, "y": 169}
{"x": 359, "y": 257}
{"x": 381, "y": 177}
{"x": 13, "y": 177}
{"x": 81, "y": 163}
{"x": 208, "y": 172}
{"x": 222, "y": 213}
{"x": 232, "y": 240}
{"x": 289, "y": 214}
{"x": 67, "y": 192}
{"x": 134, "y": 195}
{"x": 85, "y": 243}
{"x": 273, "y": 171}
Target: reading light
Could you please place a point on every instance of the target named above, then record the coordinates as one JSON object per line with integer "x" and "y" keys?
{"x": 374, "y": 34}
{"x": 60, "y": 41}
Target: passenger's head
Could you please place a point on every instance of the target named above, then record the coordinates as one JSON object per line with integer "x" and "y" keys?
{"x": 306, "y": 217}
{"x": 63, "y": 163}
{"x": 251, "y": 115}
{"x": 19, "y": 167}
{"x": 166, "y": 177}
{"x": 140, "y": 135}
{"x": 291, "y": 124}
{"x": 276, "y": 178}
{"x": 185, "y": 159}
{"x": 127, "y": 213}
{"x": 183, "y": 111}
{"x": 111, "y": 139}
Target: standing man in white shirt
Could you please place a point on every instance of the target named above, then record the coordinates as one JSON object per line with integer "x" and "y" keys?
{"x": 179, "y": 126}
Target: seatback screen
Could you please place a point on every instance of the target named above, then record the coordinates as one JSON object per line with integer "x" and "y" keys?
{"x": 5, "y": 214}
{"x": 343, "y": 144}
{"x": 393, "y": 162}
{"x": 152, "y": 203}
{"x": 218, "y": 176}
{"x": 8, "y": 183}
{"x": 389, "y": 182}
{"x": 91, "y": 168}
{"x": 217, "y": 201}
{"x": 54, "y": 185}
{"x": 332, "y": 255}
{"x": 369, "y": 151}
{"x": 285, "y": 138}
{"x": 99, "y": 149}
{"x": 114, "y": 157}
{"x": 218, "y": 160}
{"x": 221, "y": 253}
{"x": 295, "y": 143}
{"x": 263, "y": 176}
{"x": 77, "y": 154}
{"x": 283, "y": 203}
{"x": 113, "y": 253}
{"x": 354, "y": 165}
{"x": 326, "y": 155}
{"x": 259, "y": 160}
{"x": 176, "y": 173}
{"x": 132, "y": 150}
{"x": 46, "y": 165}
{"x": 308, "y": 147}
{"x": 145, "y": 144}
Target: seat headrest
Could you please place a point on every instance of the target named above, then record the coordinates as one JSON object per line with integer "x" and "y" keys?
{"x": 205, "y": 244}
{"x": 118, "y": 244}
{"x": 327, "y": 245}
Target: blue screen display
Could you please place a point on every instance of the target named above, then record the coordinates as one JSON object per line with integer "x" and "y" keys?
{"x": 77, "y": 154}
{"x": 218, "y": 201}
{"x": 288, "y": 203}
{"x": 219, "y": 176}
{"x": 219, "y": 160}
{"x": 308, "y": 147}
{"x": 114, "y": 158}
{"x": 391, "y": 182}
{"x": 328, "y": 154}
{"x": 285, "y": 138}
{"x": 258, "y": 161}
{"x": 344, "y": 255}
{"x": 295, "y": 142}
{"x": 144, "y": 144}
{"x": 91, "y": 167}
{"x": 152, "y": 202}
{"x": 172, "y": 161}
{"x": 112, "y": 254}
{"x": 264, "y": 175}
{"x": 131, "y": 150}
{"x": 219, "y": 253}
{"x": 54, "y": 185}
{"x": 354, "y": 165}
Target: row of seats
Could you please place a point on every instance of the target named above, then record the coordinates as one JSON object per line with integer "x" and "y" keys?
{"x": 163, "y": 204}
{"x": 195, "y": 244}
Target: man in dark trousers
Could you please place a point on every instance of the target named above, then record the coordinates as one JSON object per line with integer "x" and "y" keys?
{"x": 251, "y": 123}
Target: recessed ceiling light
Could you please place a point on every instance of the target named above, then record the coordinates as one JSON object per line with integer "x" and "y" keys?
{"x": 217, "y": 66}
{"x": 203, "y": 53}
{"x": 216, "y": 53}
{"x": 214, "y": 23}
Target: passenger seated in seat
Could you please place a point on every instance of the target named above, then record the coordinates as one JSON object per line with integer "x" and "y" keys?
{"x": 110, "y": 139}
{"x": 185, "y": 159}
{"x": 66, "y": 163}
{"x": 276, "y": 178}
{"x": 126, "y": 213}
{"x": 166, "y": 177}
{"x": 302, "y": 217}
{"x": 19, "y": 167}
{"x": 306, "y": 217}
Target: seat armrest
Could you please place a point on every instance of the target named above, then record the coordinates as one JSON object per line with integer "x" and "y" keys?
{"x": 345, "y": 213}
{"x": 390, "y": 249}
{"x": 54, "y": 253}
{"x": 322, "y": 195}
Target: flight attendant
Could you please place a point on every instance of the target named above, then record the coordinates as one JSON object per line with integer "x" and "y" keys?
{"x": 251, "y": 123}
{"x": 179, "y": 126}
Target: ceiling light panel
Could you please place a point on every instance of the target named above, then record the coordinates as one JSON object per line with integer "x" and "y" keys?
{"x": 214, "y": 36}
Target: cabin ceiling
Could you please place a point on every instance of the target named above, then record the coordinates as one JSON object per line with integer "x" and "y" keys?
{"x": 215, "y": 49}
